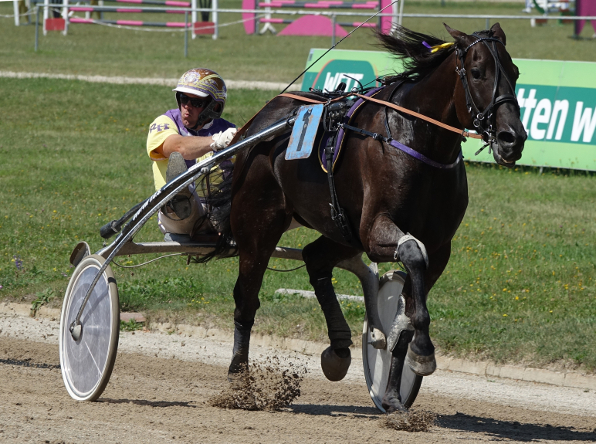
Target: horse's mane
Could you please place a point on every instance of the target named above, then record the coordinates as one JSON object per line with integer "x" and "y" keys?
{"x": 418, "y": 60}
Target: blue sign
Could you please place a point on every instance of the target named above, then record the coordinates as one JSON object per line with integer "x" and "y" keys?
{"x": 304, "y": 132}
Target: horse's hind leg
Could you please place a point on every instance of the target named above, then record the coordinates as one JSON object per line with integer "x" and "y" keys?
{"x": 252, "y": 266}
{"x": 246, "y": 297}
{"x": 258, "y": 220}
{"x": 320, "y": 258}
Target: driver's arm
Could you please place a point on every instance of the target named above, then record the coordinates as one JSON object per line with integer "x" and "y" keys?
{"x": 191, "y": 147}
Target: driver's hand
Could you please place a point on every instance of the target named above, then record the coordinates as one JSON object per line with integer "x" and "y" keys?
{"x": 223, "y": 138}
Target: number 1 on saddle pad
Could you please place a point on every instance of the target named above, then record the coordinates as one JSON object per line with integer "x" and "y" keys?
{"x": 304, "y": 132}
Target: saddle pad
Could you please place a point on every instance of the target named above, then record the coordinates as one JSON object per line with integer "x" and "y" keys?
{"x": 304, "y": 132}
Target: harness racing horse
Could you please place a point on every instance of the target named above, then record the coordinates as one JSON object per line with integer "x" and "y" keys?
{"x": 401, "y": 183}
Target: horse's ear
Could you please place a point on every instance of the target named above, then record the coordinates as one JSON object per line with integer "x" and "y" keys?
{"x": 457, "y": 35}
{"x": 498, "y": 33}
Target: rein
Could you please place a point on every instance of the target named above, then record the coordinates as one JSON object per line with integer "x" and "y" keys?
{"x": 463, "y": 133}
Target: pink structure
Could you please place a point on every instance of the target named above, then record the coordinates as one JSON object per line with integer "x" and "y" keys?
{"x": 91, "y": 9}
{"x": 130, "y": 23}
{"x": 313, "y": 25}
{"x": 586, "y": 8}
{"x": 166, "y": 3}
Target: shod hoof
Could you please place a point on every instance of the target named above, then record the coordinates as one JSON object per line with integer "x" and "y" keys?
{"x": 335, "y": 367}
{"x": 421, "y": 365}
{"x": 377, "y": 339}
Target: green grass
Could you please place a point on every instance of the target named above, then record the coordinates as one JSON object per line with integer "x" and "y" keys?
{"x": 520, "y": 286}
{"x": 521, "y": 282}
{"x": 101, "y": 50}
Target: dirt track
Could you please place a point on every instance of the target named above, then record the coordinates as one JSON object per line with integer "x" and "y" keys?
{"x": 156, "y": 399}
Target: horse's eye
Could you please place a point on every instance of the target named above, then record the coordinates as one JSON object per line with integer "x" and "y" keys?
{"x": 476, "y": 73}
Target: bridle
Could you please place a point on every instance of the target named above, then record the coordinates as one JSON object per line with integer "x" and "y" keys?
{"x": 484, "y": 121}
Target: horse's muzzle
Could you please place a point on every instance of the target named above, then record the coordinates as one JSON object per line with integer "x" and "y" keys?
{"x": 510, "y": 145}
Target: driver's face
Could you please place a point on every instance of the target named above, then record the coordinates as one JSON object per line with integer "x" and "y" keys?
{"x": 189, "y": 112}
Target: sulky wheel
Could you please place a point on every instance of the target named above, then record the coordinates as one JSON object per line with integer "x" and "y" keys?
{"x": 87, "y": 363}
{"x": 378, "y": 362}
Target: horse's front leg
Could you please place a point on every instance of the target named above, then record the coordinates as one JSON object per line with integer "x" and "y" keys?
{"x": 387, "y": 243}
{"x": 320, "y": 258}
{"x": 401, "y": 347}
{"x": 421, "y": 351}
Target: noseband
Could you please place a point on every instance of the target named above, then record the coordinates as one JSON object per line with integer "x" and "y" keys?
{"x": 484, "y": 120}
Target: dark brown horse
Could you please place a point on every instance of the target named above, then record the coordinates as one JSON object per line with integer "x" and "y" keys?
{"x": 399, "y": 206}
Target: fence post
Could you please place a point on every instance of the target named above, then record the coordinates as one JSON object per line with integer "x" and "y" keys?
{"x": 186, "y": 33}
{"x": 193, "y": 16}
{"x": 268, "y": 26}
{"x": 36, "y": 27}
{"x": 65, "y": 16}
{"x": 333, "y": 20}
{"x": 46, "y": 14}
{"x": 16, "y": 12}
{"x": 215, "y": 19}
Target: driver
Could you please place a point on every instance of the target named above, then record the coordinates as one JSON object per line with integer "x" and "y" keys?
{"x": 181, "y": 137}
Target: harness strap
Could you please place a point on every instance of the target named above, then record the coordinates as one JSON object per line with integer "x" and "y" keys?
{"x": 463, "y": 133}
{"x": 337, "y": 213}
{"x": 406, "y": 149}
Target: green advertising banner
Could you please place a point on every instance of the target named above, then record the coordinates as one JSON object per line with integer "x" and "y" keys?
{"x": 557, "y": 101}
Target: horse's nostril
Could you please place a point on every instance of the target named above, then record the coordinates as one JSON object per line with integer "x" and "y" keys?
{"x": 506, "y": 137}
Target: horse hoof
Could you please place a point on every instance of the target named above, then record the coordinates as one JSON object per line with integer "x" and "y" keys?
{"x": 335, "y": 367}
{"x": 421, "y": 365}
{"x": 392, "y": 407}
{"x": 377, "y": 339}
{"x": 393, "y": 404}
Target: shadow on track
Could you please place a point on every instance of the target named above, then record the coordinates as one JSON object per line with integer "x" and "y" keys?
{"x": 148, "y": 403}
{"x": 512, "y": 429}
{"x": 27, "y": 363}
{"x": 334, "y": 410}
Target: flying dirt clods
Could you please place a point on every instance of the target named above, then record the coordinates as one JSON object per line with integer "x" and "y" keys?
{"x": 410, "y": 421}
{"x": 269, "y": 385}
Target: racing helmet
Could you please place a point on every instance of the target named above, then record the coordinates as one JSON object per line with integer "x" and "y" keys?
{"x": 203, "y": 82}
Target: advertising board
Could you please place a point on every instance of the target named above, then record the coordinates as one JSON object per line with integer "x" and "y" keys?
{"x": 557, "y": 101}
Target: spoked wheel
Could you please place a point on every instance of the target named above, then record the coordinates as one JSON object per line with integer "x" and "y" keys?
{"x": 87, "y": 363}
{"x": 377, "y": 363}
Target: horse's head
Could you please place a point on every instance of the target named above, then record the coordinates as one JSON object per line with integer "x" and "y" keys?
{"x": 485, "y": 97}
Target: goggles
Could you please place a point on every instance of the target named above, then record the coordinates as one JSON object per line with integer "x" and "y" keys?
{"x": 197, "y": 103}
